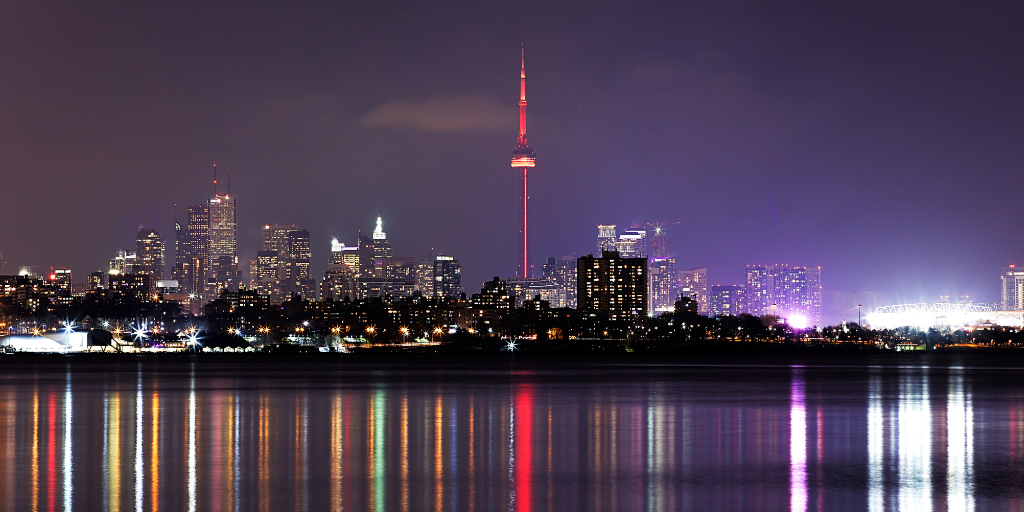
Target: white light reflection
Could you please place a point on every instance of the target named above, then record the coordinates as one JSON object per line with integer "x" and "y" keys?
{"x": 68, "y": 488}
{"x": 876, "y": 444}
{"x": 915, "y": 444}
{"x": 797, "y": 444}
{"x": 960, "y": 445}
{"x": 192, "y": 443}
{"x": 138, "y": 443}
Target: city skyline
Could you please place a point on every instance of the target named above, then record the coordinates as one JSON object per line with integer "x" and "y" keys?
{"x": 862, "y": 148}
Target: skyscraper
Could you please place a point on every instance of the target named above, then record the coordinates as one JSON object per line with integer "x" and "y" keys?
{"x": 633, "y": 243}
{"x": 1012, "y": 289}
{"x": 612, "y": 285}
{"x": 784, "y": 291}
{"x": 562, "y": 272}
{"x": 447, "y": 277}
{"x": 606, "y": 238}
{"x": 523, "y": 157}
{"x": 149, "y": 253}
{"x": 726, "y": 299}
{"x": 291, "y": 273}
{"x": 198, "y": 247}
{"x": 223, "y": 272}
{"x": 664, "y": 284}
{"x": 757, "y": 297}
{"x": 693, "y": 284}
{"x": 660, "y": 243}
{"x": 180, "y": 253}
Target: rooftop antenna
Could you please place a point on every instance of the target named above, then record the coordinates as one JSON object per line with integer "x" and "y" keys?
{"x": 229, "y": 180}
{"x": 214, "y": 180}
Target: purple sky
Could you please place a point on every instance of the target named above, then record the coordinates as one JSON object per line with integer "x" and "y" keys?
{"x": 880, "y": 140}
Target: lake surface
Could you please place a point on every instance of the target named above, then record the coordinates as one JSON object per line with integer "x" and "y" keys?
{"x": 525, "y": 435}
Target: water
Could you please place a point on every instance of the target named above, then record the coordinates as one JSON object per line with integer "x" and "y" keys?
{"x": 530, "y": 435}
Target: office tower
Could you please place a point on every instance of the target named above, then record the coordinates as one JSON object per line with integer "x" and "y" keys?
{"x": 123, "y": 263}
{"x": 1012, "y": 288}
{"x": 664, "y": 284}
{"x": 263, "y": 278}
{"x": 29, "y": 270}
{"x": 343, "y": 255}
{"x": 223, "y": 257}
{"x": 757, "y": 296}
{"x": 693, "y": 284}
{"x": 523, "y": 157}
{"x": 95, "y": 280}
{"x": 63, "y": 281}
{"x": 493, "y": 295}
{"x": 726, "y": 299}
{"x": 813, "y": 305}
{"x": 612, "y": 285}
{"x": 632, "y": 243}
{"x": 447, "y": 277}
{"x": 197, "y": 235}
{"x": 180, "y": 254}
{"x": 425, "y": 274}
{"x": 606, "y": 238}
{"x": 381, "y": 251}
{"x": 297, "y": 278}
{"x": 660, "y": 243}
{"x": 562, "y": 272}
{"x": 149, "y": 253}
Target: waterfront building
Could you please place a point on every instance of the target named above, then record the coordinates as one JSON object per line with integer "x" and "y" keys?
{"x": 784, "y": 291}
{"x": 693, "y": 284}
{"x": 726, "y": 300}
{"x": 612, "y": 285}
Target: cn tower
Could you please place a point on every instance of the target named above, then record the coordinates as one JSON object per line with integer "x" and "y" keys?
{"x": 524, "y": 157}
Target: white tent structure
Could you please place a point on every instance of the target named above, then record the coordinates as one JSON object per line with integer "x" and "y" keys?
{"x": 52, "y": 342}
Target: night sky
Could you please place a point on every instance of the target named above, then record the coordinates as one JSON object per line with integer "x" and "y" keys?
{"x": 880, "y": 140}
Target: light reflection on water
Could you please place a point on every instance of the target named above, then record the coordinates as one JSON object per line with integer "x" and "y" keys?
{"x": 769, "y": 438}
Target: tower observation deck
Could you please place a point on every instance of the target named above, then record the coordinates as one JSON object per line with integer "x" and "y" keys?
{"x": 523, "y": 157}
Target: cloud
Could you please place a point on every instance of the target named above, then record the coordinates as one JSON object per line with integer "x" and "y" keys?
{"x": 461, "y": 113}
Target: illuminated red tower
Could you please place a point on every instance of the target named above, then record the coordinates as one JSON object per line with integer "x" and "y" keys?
{"x": 524, "y": 157}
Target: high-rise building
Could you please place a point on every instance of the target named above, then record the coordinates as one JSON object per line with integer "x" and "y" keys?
{"x": 1012, "y": 288}
{"x": 757, "y": 296}
{"x": 562, "y": 272}
{"x": 95, "y": 280}
{"x": 523, "y": 157}
{"x": 263, "y": 275}
{"x": 425, "y": 274}
{"x": 297, "y": 278}
{"x": 660, "y": 243}
{"x": 180, "y": 253}
{"x": 664, "y": 285}
{"x": 149, "y": 253}
{"x": 606, "y": 238}
{"x": 726, "y": 300}
{"x": 784, "y": 291}
{"x": 813, "y": 296}
{"x": 339, "y": 280}
{"x": 612, "y": 285}
{"x": 381, "y": 251}
{"x": 123, "y": 263}
{"x": 223, "y": 272}
{"x": 632, "y": 243}
{"x": 447, "y": 277}
{"x": 197, "y": 244}
{"x": 693, "y": 284}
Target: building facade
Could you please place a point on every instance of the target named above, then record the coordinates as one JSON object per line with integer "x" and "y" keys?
{"x": 612, "y": 285}
{"x": 693, "y": 284}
